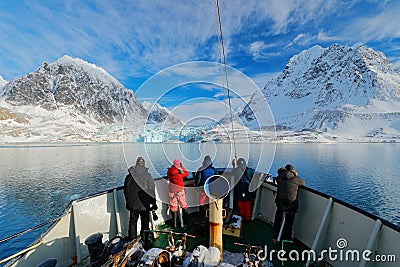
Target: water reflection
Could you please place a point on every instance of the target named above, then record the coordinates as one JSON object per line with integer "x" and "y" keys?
{"x": 37, "y": 183}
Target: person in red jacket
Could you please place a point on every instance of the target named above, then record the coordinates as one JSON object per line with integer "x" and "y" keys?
{"x": 176, "y": 174}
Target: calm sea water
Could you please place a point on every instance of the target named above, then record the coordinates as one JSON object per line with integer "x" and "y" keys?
{"x": 37, "y": 183}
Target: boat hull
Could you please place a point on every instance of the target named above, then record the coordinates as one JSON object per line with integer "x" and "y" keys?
{"x": 320, "y": 224}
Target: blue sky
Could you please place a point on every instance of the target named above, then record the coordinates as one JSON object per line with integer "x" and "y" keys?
{"x": 134, "y": 40}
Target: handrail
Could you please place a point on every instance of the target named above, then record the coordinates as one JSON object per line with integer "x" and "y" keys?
{"x": 29, "y": 229}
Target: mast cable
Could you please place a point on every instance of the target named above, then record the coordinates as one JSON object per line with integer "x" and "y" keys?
{"x": 220, "y": 60}
{"x": 224, "y": 70}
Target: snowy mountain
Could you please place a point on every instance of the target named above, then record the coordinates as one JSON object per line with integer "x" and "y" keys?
{"x": 2, "y": 84}
{"x": 68, "y": 100}
{"x": 74, "y": 83}
{"x": 159, "y": 114}
{"x": 340, "y": 92}
{"x": 329, "y": 94}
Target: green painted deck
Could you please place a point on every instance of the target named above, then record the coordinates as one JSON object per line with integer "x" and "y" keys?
{"x": 255, "y": 233}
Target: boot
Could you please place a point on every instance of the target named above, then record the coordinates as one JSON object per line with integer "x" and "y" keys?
{"x": 203, "y": 216}
{"x": 145, "y": 239}
{"x": 132, "y": 229}
{"x": 185, "y": 216}
{"x": 174, "y": 218}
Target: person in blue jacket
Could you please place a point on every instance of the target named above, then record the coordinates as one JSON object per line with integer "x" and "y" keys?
{"x": 243, "y": 198}
{"x": 203, "y": 173}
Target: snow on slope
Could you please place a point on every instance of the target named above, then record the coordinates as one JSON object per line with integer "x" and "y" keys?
{"x": 159, "y": 114}
{"x": 68, "y": 100}
{"x": 2, "y": 84}
{"x": 329, "y": 94}
{"x": 345, "y": 93}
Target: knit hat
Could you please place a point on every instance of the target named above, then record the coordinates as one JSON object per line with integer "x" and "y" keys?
{"x": 207, "y": 161}
{"x": 177, "y": 162}
{"x": 280, "y": 170}
{"x": 289, "y": 167}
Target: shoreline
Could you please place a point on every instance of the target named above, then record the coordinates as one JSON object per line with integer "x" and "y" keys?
{"x": 69, "y": 144}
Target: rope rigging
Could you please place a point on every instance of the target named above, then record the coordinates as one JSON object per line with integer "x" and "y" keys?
{"x": 224, "y": 73}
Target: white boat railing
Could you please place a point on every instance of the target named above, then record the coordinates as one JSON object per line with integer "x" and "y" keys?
{"x": 328, "y": 225}
{"x": 320, "y": 224}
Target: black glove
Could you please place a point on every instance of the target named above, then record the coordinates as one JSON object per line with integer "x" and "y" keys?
{"x": 154, "y": 214}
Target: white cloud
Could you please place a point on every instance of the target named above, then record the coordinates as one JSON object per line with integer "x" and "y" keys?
{"x": 262, "y": 79}
{"x": 256, "y": 48}
{"x": 301, "y": 39}
{"x": 322, "y": 36}
{"x": 200, "y": 109}
{"x": 139, "y": 36}
{"x": 396, "y": 63}
{"x": 133, "y": 40}
{"x": 384, "y": 24}
{"x": 259, "y": 49}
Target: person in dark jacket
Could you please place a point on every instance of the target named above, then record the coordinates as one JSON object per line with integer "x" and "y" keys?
{"x": 286, "y": 201}
{"x": 139, "y": 192}
{"x": 243, "y": 198}
{"x": 203, "y": 173}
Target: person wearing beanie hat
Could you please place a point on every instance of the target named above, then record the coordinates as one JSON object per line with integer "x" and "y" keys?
{"x": 286, "y": 201}
{"x": 203, "y": 173}
{"x": 139, "y": 192}
{"x": 176, "y": 175}
{"x": 291, "y": 169}
{"x": 243, "y": 198}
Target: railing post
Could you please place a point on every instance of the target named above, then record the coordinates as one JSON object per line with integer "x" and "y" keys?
{"x": 372, "y": 239}
{"x": 116, "y": 207}
{"x": 77, "y": 238}
{"x": 321, "y": 227}
{"x": 232, "y": 191}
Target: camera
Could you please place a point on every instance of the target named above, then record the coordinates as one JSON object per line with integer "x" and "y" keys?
{"x": 154, "y": 215}
{"x": 267, "y": 177}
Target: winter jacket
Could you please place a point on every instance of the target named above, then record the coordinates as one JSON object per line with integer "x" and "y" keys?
{"x": 242, "y": 187}
{"x": 288, "y": 184}
{"x": 203, "y": 173}
{"x": 175, "y": 178}
{"x": 139, "y": 189}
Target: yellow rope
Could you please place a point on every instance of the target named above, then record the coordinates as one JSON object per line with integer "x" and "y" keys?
{"x": 21, "y": 252}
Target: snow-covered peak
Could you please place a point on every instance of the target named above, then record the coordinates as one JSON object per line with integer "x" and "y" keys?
{"x": 327, "y": 88}
{"x": 79, "y": 64}
{"x": 147, "y": 105}
{"x": 308, "y": 55}
{"x": 376, "y": 60}
{"x": 296, "y": 67}
{"x": 159, "y": 114}
{"x": 2, "y": 84}
{"x": 336, "y": 75}
{"x": 75, "y": 83}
